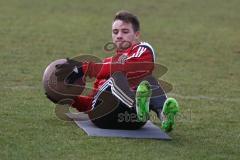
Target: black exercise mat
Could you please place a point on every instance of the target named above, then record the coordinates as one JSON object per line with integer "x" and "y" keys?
{"x": 148, "y": 131}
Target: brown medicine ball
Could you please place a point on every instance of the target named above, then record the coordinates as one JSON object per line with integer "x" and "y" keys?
{"x": 59, "y": 91}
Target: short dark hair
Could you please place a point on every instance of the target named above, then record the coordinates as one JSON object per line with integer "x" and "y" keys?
{"x": 128, "y": 17}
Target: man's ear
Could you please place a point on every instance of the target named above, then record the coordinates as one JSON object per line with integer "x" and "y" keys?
{"x": 137, "y": 34}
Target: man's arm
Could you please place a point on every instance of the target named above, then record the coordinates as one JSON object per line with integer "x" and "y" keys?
{"x": 139, "y": 62}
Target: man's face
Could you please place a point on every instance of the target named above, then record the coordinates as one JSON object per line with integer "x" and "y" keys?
{"x": 123, "y": 32}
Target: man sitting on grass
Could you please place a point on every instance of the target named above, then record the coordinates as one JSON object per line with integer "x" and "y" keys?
{"x": 126, "y": 78}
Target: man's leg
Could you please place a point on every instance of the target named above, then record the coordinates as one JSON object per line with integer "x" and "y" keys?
{"x": 139, "y": 100}
{"x": 114, "y": 105}
{"x": 119, "y": 90}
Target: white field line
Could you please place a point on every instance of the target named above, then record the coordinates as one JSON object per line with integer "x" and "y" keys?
{"x": 186, "y": 97}
{"x": 22, "y": 87}
{"x": 202, "y": 97}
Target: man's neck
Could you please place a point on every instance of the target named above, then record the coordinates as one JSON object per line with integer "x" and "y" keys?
{"x": 121, "y": 51}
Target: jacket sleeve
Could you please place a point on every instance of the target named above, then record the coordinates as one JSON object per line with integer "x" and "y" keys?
{"x": 141, "y": 62}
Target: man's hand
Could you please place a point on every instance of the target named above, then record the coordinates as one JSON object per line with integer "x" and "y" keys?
{"x": 69, "y": 71}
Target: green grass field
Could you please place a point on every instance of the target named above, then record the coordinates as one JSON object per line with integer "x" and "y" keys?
{"x": 198, "y": 41}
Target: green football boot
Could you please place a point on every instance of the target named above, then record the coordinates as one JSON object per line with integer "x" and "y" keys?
{"x": 143, "y": 95}
{"x": 170, "y": 109}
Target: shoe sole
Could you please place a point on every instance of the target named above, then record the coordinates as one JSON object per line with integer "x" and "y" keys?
{"x": 143, "y": 95}
{"x": 170, "y": 109}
